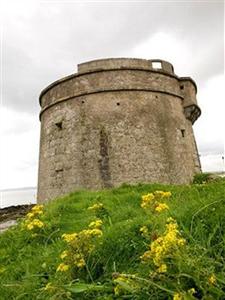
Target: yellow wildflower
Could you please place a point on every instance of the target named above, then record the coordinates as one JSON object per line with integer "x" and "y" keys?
{"x": 161, "y": 194}
{"x": 48, "y": 286}
{"x": 37, "y": 207}
{"x": 91, "y": 232}
{"x": 36, "y": 210}
{"x": 64, "y": 254}
{"x": 162, "y": 268}
{"x": 96, "y": 232}
{"x": 192, "y": 291}
{"x": 30, "y": 226}
{"x": 30, "y": 215}
{"x": 95, "y": 224}
{"x": 144, "y": 230}
{"x": 150, "y": 200}
{"x": 81, "y": 244}
{"x": 181, "y": 242}
{"x": 164, "y": 245}
{"x": 170, "y": 220}
{"x": 172, "y": 227}
{"x": 38, "y": 223}
{"x": 148, "y": 197}
{"x": 212, "y": 279}
{"x": 35, "y": 223}
{"x": 118, "y": 289}
{"x": 147, "y": 200}
{"x": 78, "y": 260}
{"x": 62, "y": 268}
{"x": 178, "y": 296}
{"x": 69, "y": 237}
{"x": 161, "y": 206}
{"x": 96, "y": 206}
{"x": 167, "y": 194}
{"x": 146, "y": 256}
{"x": 80, "y": 263}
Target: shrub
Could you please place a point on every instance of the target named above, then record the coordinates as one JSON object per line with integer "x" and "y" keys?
{"x": 201, "y": 178}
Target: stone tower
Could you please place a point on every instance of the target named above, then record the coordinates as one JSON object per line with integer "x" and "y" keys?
{"x": 115, "y": 121}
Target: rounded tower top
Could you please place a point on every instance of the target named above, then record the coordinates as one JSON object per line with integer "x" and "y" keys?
{"x": 125, "y": 63}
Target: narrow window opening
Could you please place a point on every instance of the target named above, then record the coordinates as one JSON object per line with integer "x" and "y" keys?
{"x": 82, "y": 101}
{"x": 181, "y": 87}
{"x": 59, "y": 125}
{"x": 157, "y": 65}
{"x": 183, "y": 132}
{"x": 156, "y": 97}
{"x": 118, "y": 103}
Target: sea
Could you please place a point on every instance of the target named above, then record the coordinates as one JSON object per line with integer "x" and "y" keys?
{"x": 19, "y": 196}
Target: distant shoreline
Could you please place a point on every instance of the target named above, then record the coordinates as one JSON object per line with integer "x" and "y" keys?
{"x": 18, "y": 196}
{"x": 19, "y": 189}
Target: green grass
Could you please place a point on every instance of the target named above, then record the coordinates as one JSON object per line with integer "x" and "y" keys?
{"x": 28, "y": 263}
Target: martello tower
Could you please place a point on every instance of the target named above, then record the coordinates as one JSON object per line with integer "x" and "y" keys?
{"x": 117, "y": 121}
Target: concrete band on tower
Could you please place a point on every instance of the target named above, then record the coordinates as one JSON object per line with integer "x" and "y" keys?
{"x": 115, "y": 121}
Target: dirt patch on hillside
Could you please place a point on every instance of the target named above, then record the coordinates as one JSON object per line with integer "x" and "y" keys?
{"x": 14, "y": 212}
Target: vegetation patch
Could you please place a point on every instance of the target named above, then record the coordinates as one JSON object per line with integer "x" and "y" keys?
{"x": 133, "y": 242}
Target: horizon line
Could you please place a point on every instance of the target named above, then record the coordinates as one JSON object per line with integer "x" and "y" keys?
{"x": 19, "y": 188}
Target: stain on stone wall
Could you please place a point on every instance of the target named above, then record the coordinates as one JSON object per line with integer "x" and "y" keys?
{"x": 104, "y": 158}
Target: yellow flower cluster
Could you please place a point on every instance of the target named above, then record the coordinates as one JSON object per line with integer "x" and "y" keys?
{"x": 161, "y": 194}
{"x": 147, "y": 200}
{"x": 184, "y": 295}
{"x": 192, "y": 291}
{"x": 164, "y": 246}
{"x": 69, "y": 237}
{"x": 64, "y": 254}
{"x": 95, "y": 224}
{"x": 161, "y": 206}
{"x": 80, "y": 245}
{"x": 87, "y": 233}
{"x": 144, "y": 230}
{"x": 32, "y": 221}
{"x": 62, "y": 268}
{"x": 152, "y": 201}
{"x": 36, "y": 210}
{"x": 79, "y": 260}
{"x": 99, "y": 210}
{"x": 162, "y": 268}
{"x": 212, "y": 279}
{"x": 35, "y": 223}
{"x": 178, "y": 296}
{"x": 96, "y": 206}
{"x": 122, "y": 280}
{"x": 48, "y": 286}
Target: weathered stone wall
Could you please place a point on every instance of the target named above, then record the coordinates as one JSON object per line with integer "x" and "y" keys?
{"x": 116, "y": 121}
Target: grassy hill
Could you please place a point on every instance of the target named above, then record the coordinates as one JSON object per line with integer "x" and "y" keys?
{"x": 126, "y": 243}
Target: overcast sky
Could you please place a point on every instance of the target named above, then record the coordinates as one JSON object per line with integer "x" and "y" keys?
{"x": 42, "y": 41}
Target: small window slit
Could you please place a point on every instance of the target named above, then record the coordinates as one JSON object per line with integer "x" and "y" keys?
{"x": 182, "y": 132}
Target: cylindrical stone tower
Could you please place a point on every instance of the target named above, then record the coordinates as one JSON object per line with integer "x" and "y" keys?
{"x": 117, "y": 121}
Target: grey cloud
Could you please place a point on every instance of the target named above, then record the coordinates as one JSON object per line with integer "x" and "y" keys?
{"x": 47, "y": 45}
